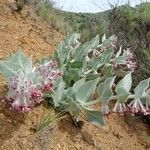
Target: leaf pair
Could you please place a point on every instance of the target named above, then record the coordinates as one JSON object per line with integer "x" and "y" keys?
{"x": 15, "y": 63}
{"x": 84, "y": 91}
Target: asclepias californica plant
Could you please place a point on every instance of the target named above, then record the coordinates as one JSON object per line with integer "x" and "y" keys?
{"x": 86, "y": 74}
{"x": 98, "y": 69}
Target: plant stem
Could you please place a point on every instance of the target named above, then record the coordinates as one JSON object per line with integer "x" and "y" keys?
{"x": 115, "y": 97}
{"x": 131, "y": 96}
{"x": 93, "y": 102}
{"x": 111, "y": 98}
{"x": 89, "y": 71}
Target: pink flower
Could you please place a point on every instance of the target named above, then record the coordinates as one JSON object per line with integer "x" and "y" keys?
{"x": 36, "y": 96}
{"x": 131, "y": 65}
{"x": 25, "y": 90}
{"x": 147, "y": 106}
{"x": 105, "y": 109}
{"x": 21, "y": 104}
{"x": 147, "y": 103}
{"x": 127, "y": 61}
{"x": 120, "y": 108}
{"x": 47, "y": 87}
{"x": 47, "y": 74}
{"x": 22, "y": 94}
{"x": 127, "y": 53}
{"x": 136, "y": 106}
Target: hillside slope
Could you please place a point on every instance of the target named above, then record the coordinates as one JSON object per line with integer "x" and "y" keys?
{"x": 24, "y": 30}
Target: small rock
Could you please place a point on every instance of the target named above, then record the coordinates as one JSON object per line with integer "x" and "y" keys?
{"x": 105, "y": 129}
{"x": 117, "y": 134}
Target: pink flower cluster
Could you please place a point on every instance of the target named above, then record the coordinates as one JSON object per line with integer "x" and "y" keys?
{"x": 120, "y": 108}
{"x": 136, "y": 106}
{"x": 24, "y": 92}
{"x": 131, "y": 65}
{"x": 47, "y": 74}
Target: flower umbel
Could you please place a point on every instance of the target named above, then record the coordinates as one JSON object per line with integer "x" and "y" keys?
{"x": 120, "y": 108}
{"x": 136, "y": 106}
{"x": 22, "y": 94}
{"x": 105, "y": 109}
{"x": 25, "y": 90}
{"x": 47, "y": 74}
{"x": 131, "y": 65}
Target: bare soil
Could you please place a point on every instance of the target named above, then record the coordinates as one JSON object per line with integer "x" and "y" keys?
{"x": 25, "y": 30}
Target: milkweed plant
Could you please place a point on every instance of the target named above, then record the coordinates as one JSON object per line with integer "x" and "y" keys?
{"x": 80, "y": 78}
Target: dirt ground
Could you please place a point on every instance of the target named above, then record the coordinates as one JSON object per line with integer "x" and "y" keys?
{"x": 38, "y": 39}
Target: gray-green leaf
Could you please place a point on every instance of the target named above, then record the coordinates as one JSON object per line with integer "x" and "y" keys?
{"x": 72, "y": 107}
{"x": 86, "y": 90}
{"x": 62, "y": 52}
{"x": 104, "y": 89}
{"x": 78, "y": 84}
{"x": 58, "y": 94}
{"x": 124, "y": 85}
{"x": 142, "y": 86}
{"x": 95, "y": 63}
{"x": 94, "y": 116}
{"x": 107, "y": 55}
{"x": 84, "y": 49}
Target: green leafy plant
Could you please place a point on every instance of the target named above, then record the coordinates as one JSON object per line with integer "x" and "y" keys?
{"x": 91, "y": 72}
